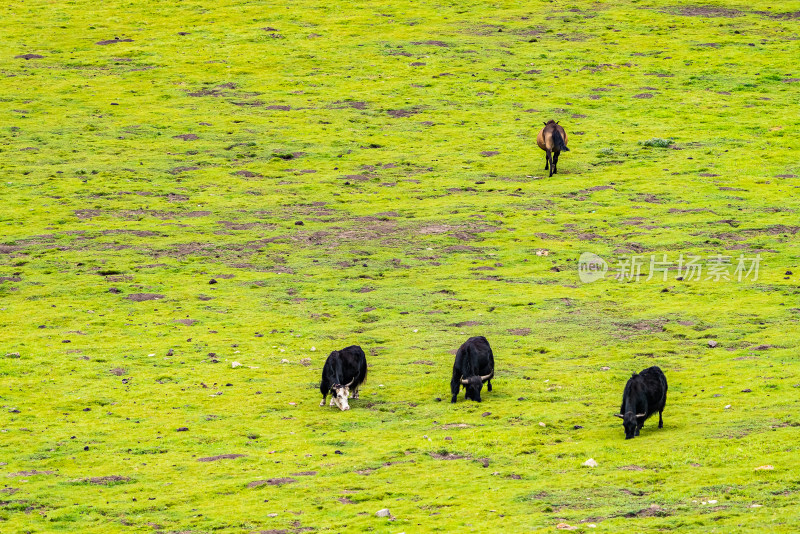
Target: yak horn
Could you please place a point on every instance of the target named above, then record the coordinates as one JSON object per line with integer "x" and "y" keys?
{"x": 641, "y": 415}
{"x": 464, "y": 381}
{"x": 487, "y": 377}
{"x": 349, "y": 383}
{"x": 619, "y": 415}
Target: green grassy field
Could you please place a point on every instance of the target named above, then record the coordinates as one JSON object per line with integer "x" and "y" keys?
{"x": 366, "y": 173}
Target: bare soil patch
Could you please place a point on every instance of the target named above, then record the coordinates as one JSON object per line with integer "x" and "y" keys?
{"x": 107, "y": 480}
{"x": 520, "y": 331}
{"x": 140, "y": 297}
{"x": 398, "y": 113}
{"x": 653, "y": 511}
{"x": 632, "y": 468}
{"x": 708, "y": 12}
{"x": 30, "y": 473}
{"x": 28, "y": 56}
{"x": 271, "y": 482}
{"x": 431, "y": 43}
{"x": 220, "y": 457}
{"x": 113, "y": 41}
{"x": 447, "y": 456}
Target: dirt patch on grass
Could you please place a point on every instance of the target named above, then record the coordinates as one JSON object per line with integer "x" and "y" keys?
{"x": 114, "y": 41}
{"x": 465, "y": 323}
{"x": 186, "y": 137}
{"x": 28, "y": 56}
{"x": 118, "y": 371}
{"x": 707, "y": 11}
{"x": 187, "y": 322}
{"x": 399, "y": 113}
{"x": 455, "y": 425}
{"x": 107, "y": 480}
{"x": 367, "y": 471}
{"x": 519, "y": 331}
{"x": 137, "y": 233}
{"x": 141, "y": 297}
{"x": 447, "y": 456}
{"x": 431, "y": 43}
{"x": 632, "y": 468}
{"x": 248, "y": 174}
{"x": 305, "y": 474}
{"x": 271, "y": 482}
{"x": 653, "y": 510}
{"x": 220, "y": 457}
{"x": 31, "y": 473}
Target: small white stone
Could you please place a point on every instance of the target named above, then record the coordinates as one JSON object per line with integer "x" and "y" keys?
{"x": 272, "y": 515}
{"x": 416, "y": 330}
{"x": 591, "y": 525}
{"x": 542, "y": 424}
{"x": 284, "y": 360}
{"x": 151, "y": 355}
{"x": 383, "y": 513}
{"x": 313, "y": 349}
{"x": 727, "y": 407}
{"x": 235, "y": 364}
{"x": 589, "y": 463}
{"x": 755, "y": 506}
{"x": 282, "y": 350}
{"x": 712, "y": 501}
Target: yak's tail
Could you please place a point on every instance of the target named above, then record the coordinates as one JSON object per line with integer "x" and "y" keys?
{"x": 558, "y": 142}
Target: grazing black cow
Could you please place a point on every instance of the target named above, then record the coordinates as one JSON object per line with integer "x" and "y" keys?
{"x": 644, "y": 395}
{"x": 474, "y": 365}
{"x": 343, "y": 369}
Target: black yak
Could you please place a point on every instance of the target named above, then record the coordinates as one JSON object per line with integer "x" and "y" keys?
{"x": 474, "y": 365}
{"x": 343, "y": 369}
{"x": 644, "y": 395}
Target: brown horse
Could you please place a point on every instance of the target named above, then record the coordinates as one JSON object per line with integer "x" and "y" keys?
{"x": 553, "y": 140}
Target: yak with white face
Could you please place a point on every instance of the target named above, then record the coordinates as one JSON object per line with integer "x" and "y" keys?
{"x": 474, "y": 365}
{"x": 344, "y": 369}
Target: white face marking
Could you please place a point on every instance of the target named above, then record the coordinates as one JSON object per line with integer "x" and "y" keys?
{"x": 339, "y": 398}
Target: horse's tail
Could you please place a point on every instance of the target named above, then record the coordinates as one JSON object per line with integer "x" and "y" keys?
{"x": 558, "y": 141}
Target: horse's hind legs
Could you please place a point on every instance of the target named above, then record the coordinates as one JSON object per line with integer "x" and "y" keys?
{"x": 555, "y": 162}
{"x": 546, "y": 160}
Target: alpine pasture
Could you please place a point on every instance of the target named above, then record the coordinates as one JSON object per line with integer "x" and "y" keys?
{"x": 191, "y": 185}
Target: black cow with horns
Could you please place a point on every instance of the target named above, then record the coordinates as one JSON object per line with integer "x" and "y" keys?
{"x": 343, "y": 369}
{"x": 644, "y": 395}
{"x": 474, "y": 365}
